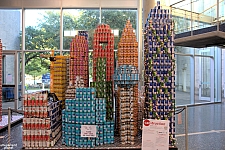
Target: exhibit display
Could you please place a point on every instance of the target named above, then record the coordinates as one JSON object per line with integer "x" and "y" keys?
{"x": 103, "y": 66}
{"x": 160, "y": 68}
{"x": 91, "y": 116}
{"x": 58, "y": 70}
{"x": 126, "y": 78}
{"x": 79, "y": 59}
{"x": 89, "y": 112}
{"x": 71, "y": 89}
{"x": 42, "y": 124}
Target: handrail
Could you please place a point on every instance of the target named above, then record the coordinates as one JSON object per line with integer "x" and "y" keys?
{"x": 186, "y": 123}
{"x": 198, "y": 17}
{"x": 179, "y": 12}
{"x": 176, "y": 3}
{"x": 211, "y": 7}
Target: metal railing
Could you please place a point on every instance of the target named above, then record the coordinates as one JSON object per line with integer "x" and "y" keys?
{"x": 184, "y": 108}
{"x": 179, "y": 109}
{"x": 189, "y": 18}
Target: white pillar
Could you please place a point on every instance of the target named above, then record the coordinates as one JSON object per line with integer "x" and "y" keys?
{"x": 147, "y": 6}
{"x": 23, "y": 53}
{"x": 140, "y": 45}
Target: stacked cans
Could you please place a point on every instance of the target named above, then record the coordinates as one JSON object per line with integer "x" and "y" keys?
{"x": 126, "y": 74}
{"x": 79, "y": 59}
{"x": 104, "y": 89}
{"x": 0, "y": 81}
{"x": 103, "y": 66}
{"x": 141, "y": 106}
{"x": 68, "y": 70}
{"x": 41, "y": 122}
{"x": 128, "y": 47}
{"x": 160, "y": 68}
{"x": 86, "y": 109}
{"x": 83, "y": 33}
{"x": 59, "y": 78}
{"x": 103, "y": 47}
{"x": 71, "y": 89}
{"x": 126, "y": 77}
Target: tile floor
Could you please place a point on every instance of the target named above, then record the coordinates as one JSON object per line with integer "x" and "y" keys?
{"x": 206, "y": 128}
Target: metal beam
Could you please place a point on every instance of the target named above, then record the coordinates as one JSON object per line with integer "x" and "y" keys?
{"x": 68, "y": 4}
{"x": 201, "y": 40}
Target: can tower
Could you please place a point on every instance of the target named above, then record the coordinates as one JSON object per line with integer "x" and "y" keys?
{"x": 79, "y": 59}
{"x": 126, "y": 79}
{"x": 103, "y": 66}
{"x": 58, "y": 71}
{"x": 160, "y": 68}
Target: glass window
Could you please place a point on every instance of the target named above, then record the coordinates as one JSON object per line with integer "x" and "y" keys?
{"x": 10, "y": 28}
{"x": 183, "y": 80}
{"x": 208, "y": 51}
{"x": 75, "y": 20}
{"x": 37, "y": 66}
{"x": 42, "y": 29}
{"x": 116, "y": 19}
{"x": 19, "y": 74}
{"x": 203, "y": 83}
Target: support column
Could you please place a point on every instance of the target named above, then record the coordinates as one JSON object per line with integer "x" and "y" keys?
{"x": 147, "y": 6}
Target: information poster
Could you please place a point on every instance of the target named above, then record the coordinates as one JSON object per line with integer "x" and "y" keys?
{"x": 155, "y": 134}
{"x": 88, "y": 130}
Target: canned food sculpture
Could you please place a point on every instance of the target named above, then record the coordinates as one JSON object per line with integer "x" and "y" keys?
{"x": 103, "y": 66}
{"x": 59, "y": 77}
{"x": 160, "y": 68}
{"x": 126, "y": 77}
{"x": 79, "y": 59}
{"x": 42, "y": 121}
{"x": 86, "y": 109}
{"x": 71, "y": 89}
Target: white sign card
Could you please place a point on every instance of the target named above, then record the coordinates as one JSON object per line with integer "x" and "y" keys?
{"x": 155, "y": 134}
{"x": 88, "y": 130}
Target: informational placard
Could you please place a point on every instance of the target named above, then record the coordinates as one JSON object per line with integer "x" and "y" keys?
{"x": 88, "y": 130}
{"x": 9, "y": 78}
{"x": 155, "y": 134}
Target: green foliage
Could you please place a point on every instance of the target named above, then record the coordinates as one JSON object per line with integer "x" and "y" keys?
{"x": 46, "y": 35}
{"x": 36, "y": 67}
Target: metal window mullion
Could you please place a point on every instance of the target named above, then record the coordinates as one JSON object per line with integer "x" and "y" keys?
{"x": 61, "y": 29}
{"x": 139, "y": 25}
{"x": 16, "y": 80}
{"x": 191, "y": 18}
{"x": 192, "y": 76}
{"x": 218, "y": 74}
{"x": 212, "y": 81}
{"x": 23, "y": 54}
{"x": 218, "y": 17}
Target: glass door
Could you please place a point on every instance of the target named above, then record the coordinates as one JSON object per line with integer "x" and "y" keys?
{"x": 205, "y": 77}
{"x": 9, "y": 80}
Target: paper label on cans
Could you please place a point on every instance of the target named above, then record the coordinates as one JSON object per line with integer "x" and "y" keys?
{"x": 47, "y": 123}
{"x": 45, "y": 112}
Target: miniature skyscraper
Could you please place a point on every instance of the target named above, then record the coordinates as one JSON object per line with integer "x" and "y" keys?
{"x": 126, "y": 78}
{"x": 160, "y": 68}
